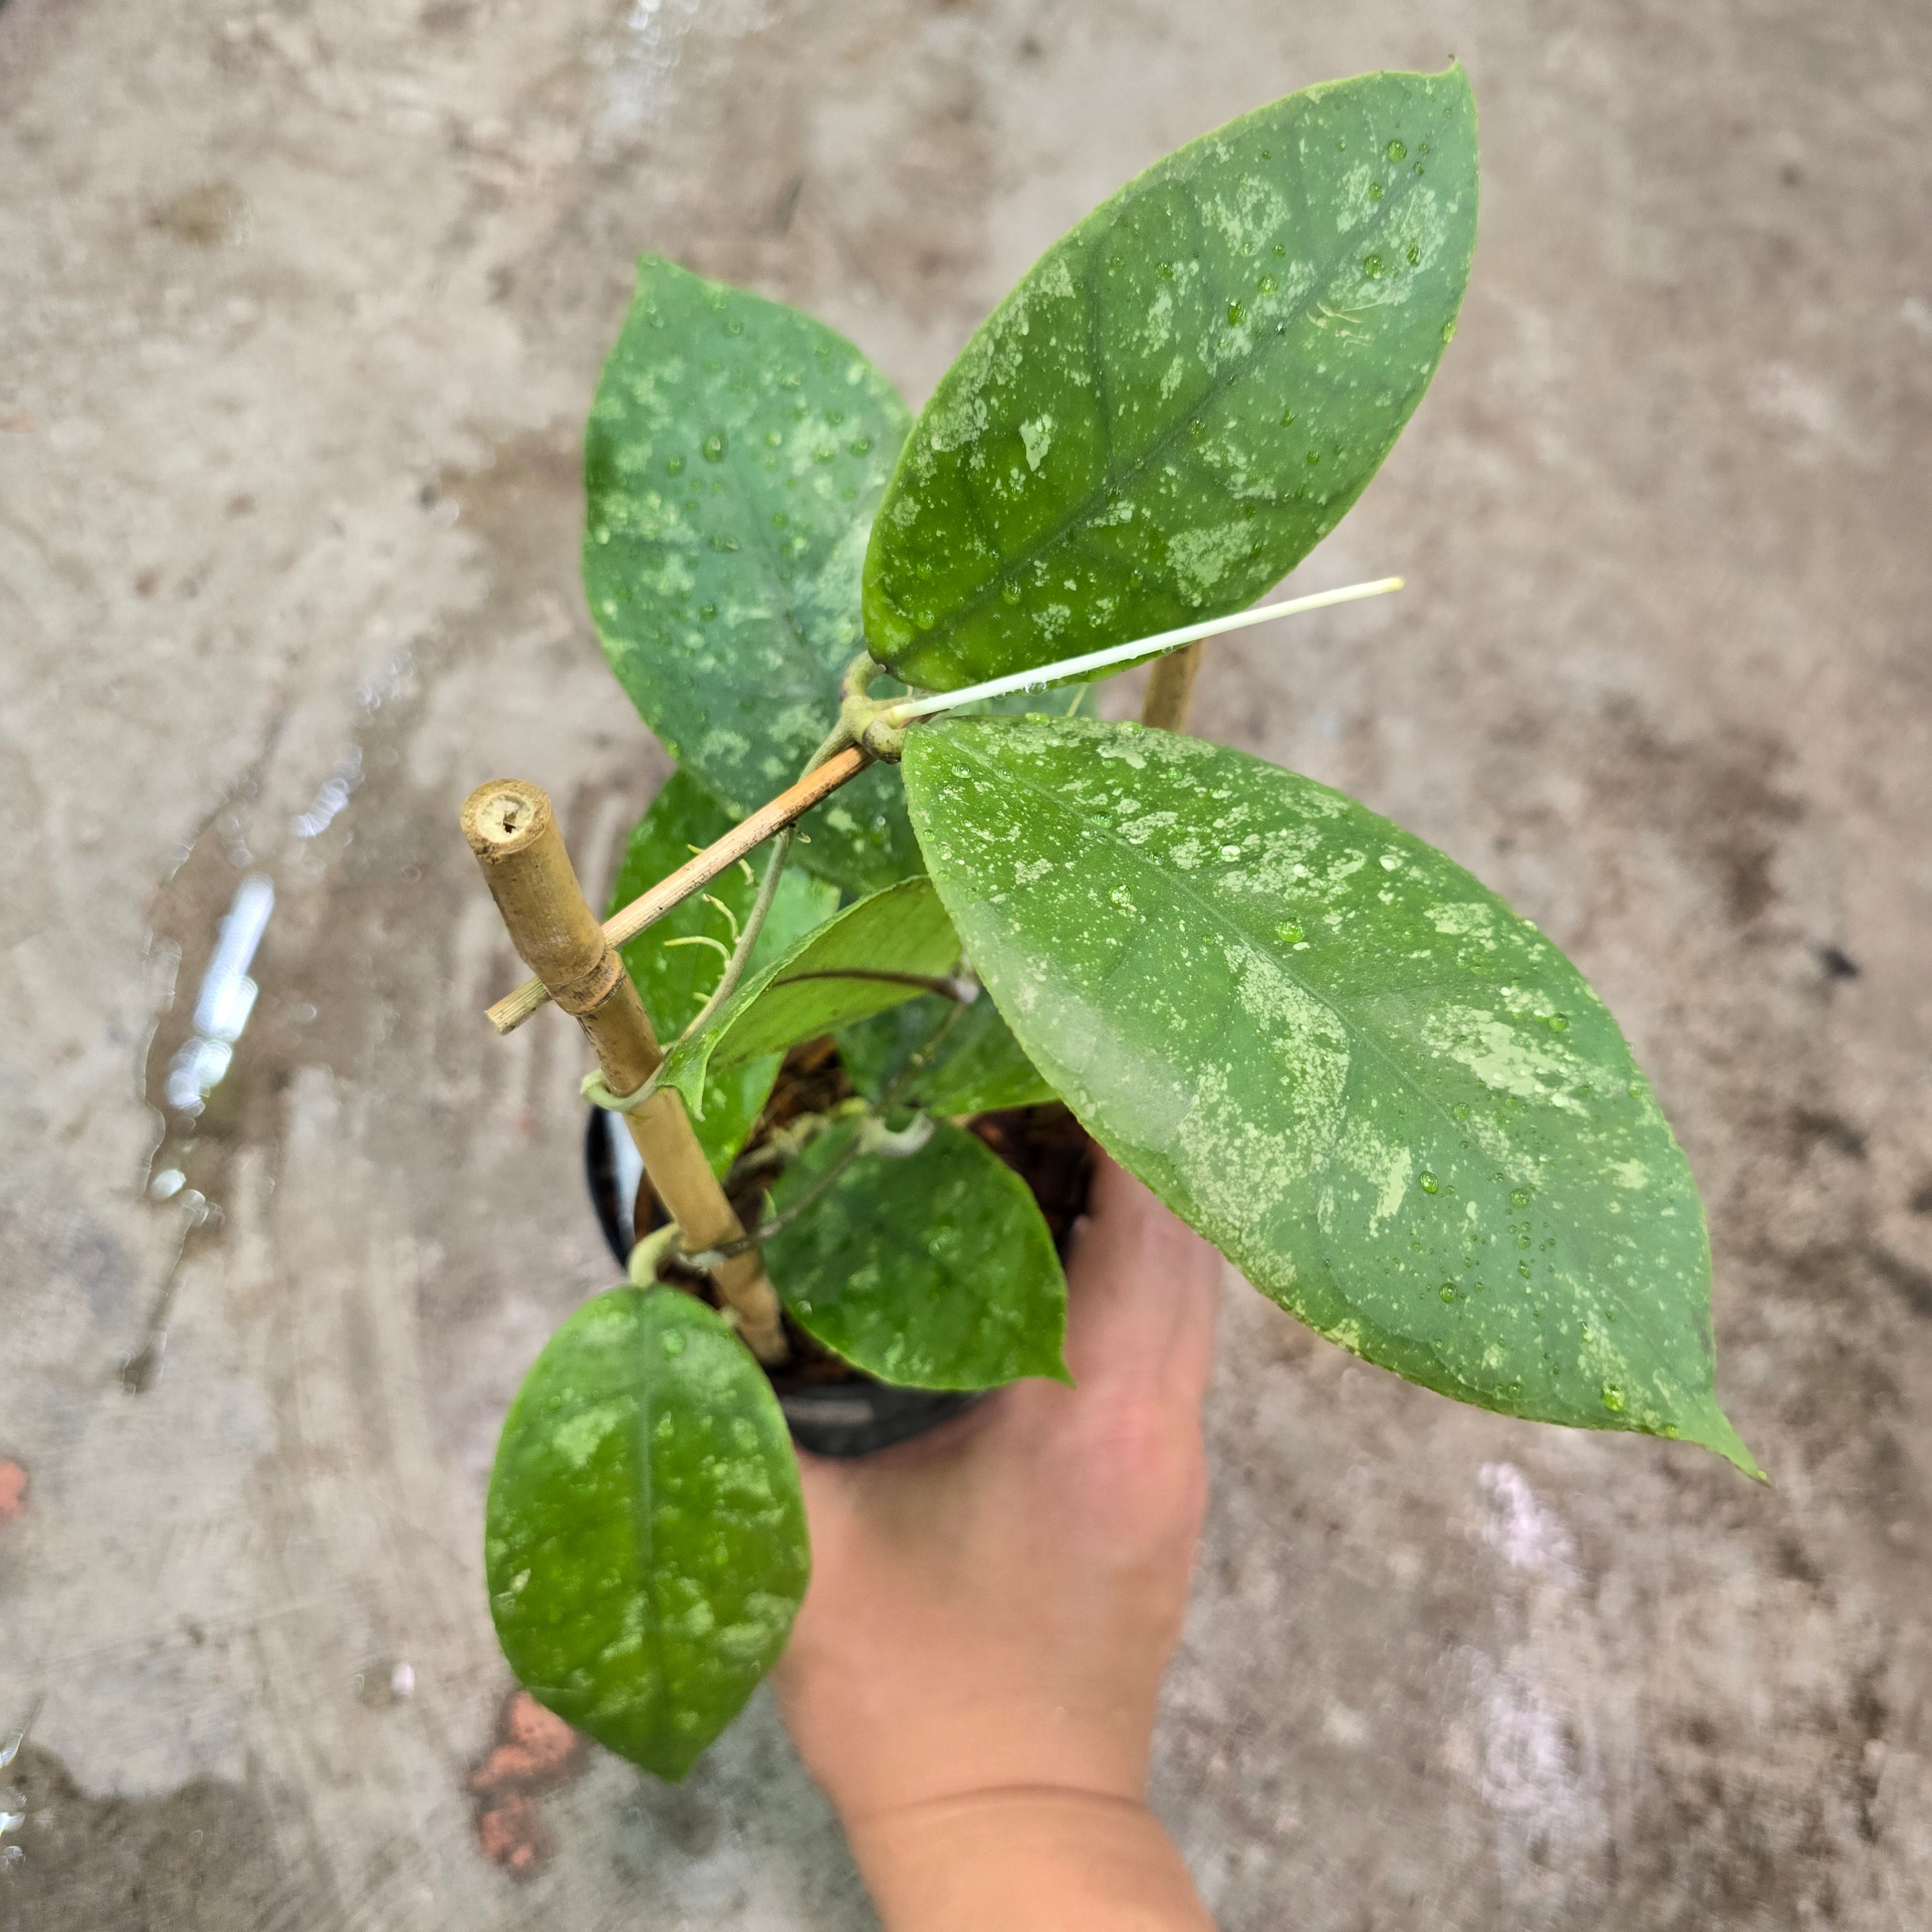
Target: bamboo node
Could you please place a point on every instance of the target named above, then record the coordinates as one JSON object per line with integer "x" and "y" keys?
{"x": 589, "y": 991}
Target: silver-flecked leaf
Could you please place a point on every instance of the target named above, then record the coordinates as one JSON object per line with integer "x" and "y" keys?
{"x": 1187, "y": 391}
{"x": 1393, "y": 1103}
{"x": 932, "y": 1270}
{"x": 645, "y": 1541}
{"x": 734, "y": 457}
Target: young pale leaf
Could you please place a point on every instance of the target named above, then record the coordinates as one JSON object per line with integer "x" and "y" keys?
{"x": 977, "y": 1066}
{"x": 733, "y": 460}
{"x": 838, "y": 973}
{"x": 676, "y": 964}
{"x": 1184, "y": 394}
{"x": 934, "y": 1269}
{"x": 645, "y": 1541}
{"x": 1391, "y": 1102}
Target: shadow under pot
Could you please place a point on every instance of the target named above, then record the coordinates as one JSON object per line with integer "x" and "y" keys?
{"x": 831, "y": 1408}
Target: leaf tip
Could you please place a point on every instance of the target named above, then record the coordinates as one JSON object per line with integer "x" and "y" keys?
{"x": 1716, "y": 1435}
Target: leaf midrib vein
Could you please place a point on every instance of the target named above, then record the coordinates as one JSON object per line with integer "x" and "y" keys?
{"x": 644, "y": 1497}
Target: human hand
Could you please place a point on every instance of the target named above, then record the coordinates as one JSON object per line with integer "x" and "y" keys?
{"x": 974, "y": 1673}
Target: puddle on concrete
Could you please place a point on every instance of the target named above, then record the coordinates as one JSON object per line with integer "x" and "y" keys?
{"x": 232, "y": 933}
{"x": 203, "y": 1856}
{"x": 285, "y": 940}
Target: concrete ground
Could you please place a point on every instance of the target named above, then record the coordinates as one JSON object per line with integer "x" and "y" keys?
{"x": 301, "y": 306}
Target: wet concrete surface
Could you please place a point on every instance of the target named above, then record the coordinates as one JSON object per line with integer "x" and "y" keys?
{"x": 301, "y": 308}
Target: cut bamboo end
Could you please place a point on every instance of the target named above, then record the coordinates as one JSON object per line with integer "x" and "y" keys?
{"x": 510, "y": 1011}
{"x": 511, "y": 827}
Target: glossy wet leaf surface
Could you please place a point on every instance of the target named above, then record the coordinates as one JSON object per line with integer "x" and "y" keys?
{"x": 1390, "y": 1102}
{"x": 734, "y": 457}
{"x": 817, "y": 985}
{"x": 974, "y": 1067}
{"x": 676, "y": 963}
{"x": 645, "y": 1542}
{"x": 1186, "y": 392}
{"x": 934, "y": 1269}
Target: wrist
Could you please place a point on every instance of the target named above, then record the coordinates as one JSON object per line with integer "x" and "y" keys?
{"x": 1053, "y": 1858}
{"x": 880, "y": 1750}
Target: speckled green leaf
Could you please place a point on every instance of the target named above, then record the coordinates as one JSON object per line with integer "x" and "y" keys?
{"x": 676, "y": 964}
{"x": 933, "y": 1270}
{"x": 1185, "y": 394}
{"x": 645, "y": 1543}
{"x": 975, "y": 1067}
{"x": 1390, "y": 1102}
{"x": 801, "y": 995}
{"x": 733, "y": 460}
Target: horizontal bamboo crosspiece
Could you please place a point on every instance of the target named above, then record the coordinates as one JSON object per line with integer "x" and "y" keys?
{"x": 512, "y": 828}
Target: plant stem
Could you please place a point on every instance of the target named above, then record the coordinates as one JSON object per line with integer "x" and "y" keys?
{"x": 755, "y": 924}
{"x": 965, "y": 992}
{"x": 809, "y": 1199}
{"x": 1170, "y": 687}
{"x": 768, "y": 890}
{"x": 827, "y": 1181}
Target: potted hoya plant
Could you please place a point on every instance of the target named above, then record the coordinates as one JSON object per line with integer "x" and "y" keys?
{"x": 860, "y": 1023}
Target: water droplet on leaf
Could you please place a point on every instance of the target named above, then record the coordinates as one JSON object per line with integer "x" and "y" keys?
{"x": 1428, "y": 1182}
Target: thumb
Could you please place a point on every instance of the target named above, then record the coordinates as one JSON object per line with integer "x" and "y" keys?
{"x": 1143, "y": 1292}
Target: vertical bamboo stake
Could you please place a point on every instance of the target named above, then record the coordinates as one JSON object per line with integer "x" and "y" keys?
{"x": 1170, "y": 686}
{"x": 512, "y": 828}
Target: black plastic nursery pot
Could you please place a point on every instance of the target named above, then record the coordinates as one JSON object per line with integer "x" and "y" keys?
{"x": 832, "y": 1408}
